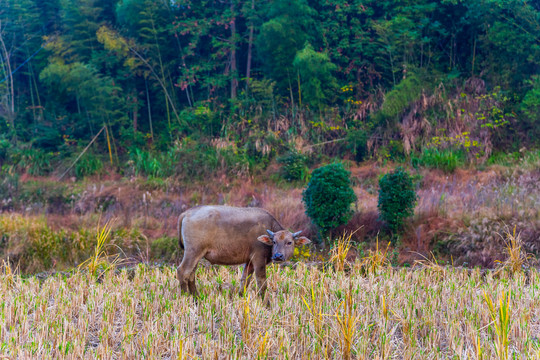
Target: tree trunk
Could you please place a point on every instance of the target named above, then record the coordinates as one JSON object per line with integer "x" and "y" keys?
{"x": 149, "y": 109}
{"x": 234, "y": 70}
{"x": 11, "y": 87}
{"x": 250, "y": 46}
{"x": 135, "y": 112}
{"x": 161, "y": 83}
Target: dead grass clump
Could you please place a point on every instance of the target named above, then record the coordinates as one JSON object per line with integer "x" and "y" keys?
{"x": 433, "y": 265}
{"x": 347, "y": 318}
{"x": 340, "y": 250}
{"x": 480, "y": 243}
{"x": 518, "y": 259}
{"x": 376, "y": 260}
{"x": 100, "y": 260}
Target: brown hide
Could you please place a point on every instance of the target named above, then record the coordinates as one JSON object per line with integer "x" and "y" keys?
{"x": 227, "y": 236}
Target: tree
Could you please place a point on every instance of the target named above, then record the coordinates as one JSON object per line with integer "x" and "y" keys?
{"x": 318, "y": 84}
{"x": 96, "y": 97}
{"x": 281, "y": 37}
{"x": 397, "y": 198}
{"x": 19, "y": 37}
{"x": 328, "y": 197}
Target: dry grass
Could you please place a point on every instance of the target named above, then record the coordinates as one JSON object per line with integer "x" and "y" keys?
{"x": 101, "y": 262}
{"x": 517, "y": 259}
{"x": 315, "y": 314}
{"x": 340, "y": 249}
{"x": 457, "y": 215}
{"x": 376, "y": 260}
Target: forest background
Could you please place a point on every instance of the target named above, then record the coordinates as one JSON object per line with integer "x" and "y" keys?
{"x": 187, "y": 93}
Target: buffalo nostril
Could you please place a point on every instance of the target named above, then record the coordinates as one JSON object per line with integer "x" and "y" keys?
{"x": 279, "y": 256}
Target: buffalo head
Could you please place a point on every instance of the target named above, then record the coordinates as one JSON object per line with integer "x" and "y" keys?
{"x": 283, "y": 243}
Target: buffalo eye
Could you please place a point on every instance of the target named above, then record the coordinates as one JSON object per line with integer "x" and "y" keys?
{"x": 289, "y": 243}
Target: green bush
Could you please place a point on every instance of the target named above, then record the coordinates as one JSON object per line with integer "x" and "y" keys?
{"x": 397, "y": 198}
{"x": 32, "y": 161}
{"x": 356, "y": 143}
{"x": 88, "y": 165}
{"x": 328, "y": 197}
{"x": 145, "y": 163}
{"x": 194, "y": 160}
{"x": 4, "y": 149}
{"x": 445, "y": 160}
{"x": 294, "y": 166}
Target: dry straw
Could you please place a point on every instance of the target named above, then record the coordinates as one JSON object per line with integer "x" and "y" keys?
{"x": 315, "y": 314}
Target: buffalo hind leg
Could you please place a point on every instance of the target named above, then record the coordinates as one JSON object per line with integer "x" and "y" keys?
{"x": 186, "y": 272}
{"x": 247, "y": 274}
{"x": 191, "y": 282}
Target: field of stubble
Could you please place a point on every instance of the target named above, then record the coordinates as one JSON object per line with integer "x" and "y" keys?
{"x": 316, "y": 313}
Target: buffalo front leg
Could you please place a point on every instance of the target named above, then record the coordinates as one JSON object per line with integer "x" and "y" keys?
{"x": 260, "y": 274}
{"x": 247, "y": 274}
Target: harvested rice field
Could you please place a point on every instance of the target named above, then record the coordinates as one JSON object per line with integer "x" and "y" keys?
{"x": 315, "y": 312}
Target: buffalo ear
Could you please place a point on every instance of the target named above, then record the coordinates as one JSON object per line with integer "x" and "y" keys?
{"x": 265, "y": 239}
{"x": 302, "y": 240}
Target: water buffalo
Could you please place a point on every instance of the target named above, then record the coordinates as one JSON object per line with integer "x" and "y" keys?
{"x": 228, "y": 235}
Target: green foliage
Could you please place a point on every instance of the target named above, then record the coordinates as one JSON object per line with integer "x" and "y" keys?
{"x": 165, "y": 70}
{"x": 32, "y": 161}
{"x": 88, "y": 165}
{"x": 530, "y": 106}
{"x": 393, "y": 151}
{"x": 4, "y": 149}
{"x": 397, "y": 198}
{"x": 357, "y": 144}
{"x": 446, "y": 160}
{"x": 531, "y": 102}
{"x": 83, "y": 85}
{"x": 279, "y": 39}
{"x": 318, "y": 84}
{"x": 189, "y": 159}
{"x": 398, "y": 100}
{"x": 328, "y": 197}
{"x": 294, "y": 166}
{"x": 201, "y": 121}
{"x": 504, "y": 159}
{"x": 147, "y": 164}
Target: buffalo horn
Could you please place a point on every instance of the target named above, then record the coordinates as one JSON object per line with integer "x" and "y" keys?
{"x": 296, "y": 234}
{"x": 270, "y": 233}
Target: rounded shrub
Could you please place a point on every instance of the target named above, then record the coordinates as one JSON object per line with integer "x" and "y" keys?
{"x": 294, "y": 166}
{"x": 397, "y": 198}
{"x": 328, "y": 197}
